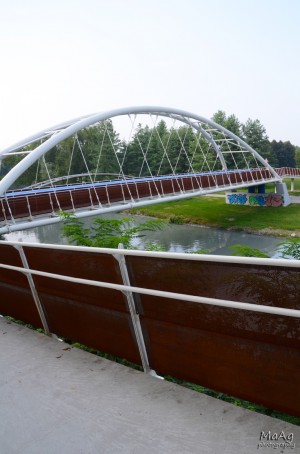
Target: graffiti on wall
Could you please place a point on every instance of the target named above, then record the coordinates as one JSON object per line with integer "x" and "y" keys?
{"x": 269, "y": 200}
{"x": 257, "y": 200}
{"x": 237, "y": 199}
{"x": 274, "y": 200}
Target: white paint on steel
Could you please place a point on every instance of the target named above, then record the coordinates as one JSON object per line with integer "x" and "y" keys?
{"x": 69, "y": 128}
{"x": 133, "y": 314}
{"x": 34, "y": 292}
{"x": 170, "y": 255}
{"x": 161, "y": 294}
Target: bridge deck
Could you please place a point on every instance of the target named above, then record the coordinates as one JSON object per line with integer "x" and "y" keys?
{"x": 60, "y": 400}
{"x": 47, "y": 201}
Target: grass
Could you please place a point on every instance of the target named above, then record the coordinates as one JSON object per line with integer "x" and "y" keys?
{"x": 296, "y": 185}
{"x": 214, "y": 212}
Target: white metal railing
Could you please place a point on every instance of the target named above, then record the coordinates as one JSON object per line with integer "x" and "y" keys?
{"x": 127, "y": 289}
{"x": 37, "y": 220}
{"x": 171, "y": 255}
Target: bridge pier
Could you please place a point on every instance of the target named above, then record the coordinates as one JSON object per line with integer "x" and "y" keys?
{"x": 257, "y": 196}
{"x": 281, "y": 189}
{"x": 260, "y": 189}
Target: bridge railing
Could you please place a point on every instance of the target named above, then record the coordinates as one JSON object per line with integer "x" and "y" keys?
{"x": 227, "y": 323}
{"x": 116, "y": 195}
{"x": 289, "y": 172}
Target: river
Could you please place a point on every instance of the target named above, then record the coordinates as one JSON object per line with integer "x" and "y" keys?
{"x": 174, "y": 238}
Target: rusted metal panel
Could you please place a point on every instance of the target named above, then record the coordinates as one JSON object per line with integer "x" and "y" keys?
{"x": 260, "y": 372}
{"x": 16, "y": 301}
{"x": 94, "y": 316}
{"x": 81, "y": 198}
{"x": 246, "y": 354}
{"x": 15, "y": 296}
{"x": 16, "y": 206}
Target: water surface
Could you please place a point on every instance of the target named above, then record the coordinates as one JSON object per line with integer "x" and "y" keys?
{"x": 174, "y": 238}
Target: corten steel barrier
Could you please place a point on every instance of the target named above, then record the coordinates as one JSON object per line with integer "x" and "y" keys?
{"x": 289, "y": 172}
{"x": 228, "y": 323}
{"x": 39, "y": 202}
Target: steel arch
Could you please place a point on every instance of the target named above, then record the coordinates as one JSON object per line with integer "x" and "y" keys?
{"x": 62, "y": 131}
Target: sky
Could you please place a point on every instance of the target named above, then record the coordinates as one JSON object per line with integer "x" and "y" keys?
{"x": 63, "y": 59}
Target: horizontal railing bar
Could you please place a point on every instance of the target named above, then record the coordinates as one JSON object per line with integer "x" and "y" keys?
{"x": 287, "y": 263}
{"x": 159, "y": 293}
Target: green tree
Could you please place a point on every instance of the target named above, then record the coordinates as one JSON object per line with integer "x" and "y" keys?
{"x": 285, "y": 153}
{"x": 63, "y": 153}
{"x": 297, "y": 156}
{"x": 29, "y": 176}
{"x": 233, "y": 125}
{"x": 254, "y": 134}
{"x": 135, "y": 153}
{"x": 97, "y": 149}
{"x": 179, "y": 150}
{"x": 204, "y": 157}
{"x": 157, "y": 153}
{"x": 107, "y": 233}
{"x": 220, "y": 118}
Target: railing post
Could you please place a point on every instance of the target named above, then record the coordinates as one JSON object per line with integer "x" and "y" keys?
{"x": 29, "y": 208}
{"x": 33, "y": 290}
{"x": 134, "y": 316}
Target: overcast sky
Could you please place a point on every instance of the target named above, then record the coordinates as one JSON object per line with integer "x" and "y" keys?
{"x": 61, "y": 59}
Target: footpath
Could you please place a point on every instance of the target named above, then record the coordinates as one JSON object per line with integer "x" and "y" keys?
{"x": 60, "y": 400}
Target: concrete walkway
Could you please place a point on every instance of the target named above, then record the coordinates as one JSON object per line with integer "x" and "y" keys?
{"x": 295, "y": 199}
{"x": 61, "y": 400}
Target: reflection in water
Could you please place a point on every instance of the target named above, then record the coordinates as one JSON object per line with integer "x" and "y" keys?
{"x": 174, "y": 238}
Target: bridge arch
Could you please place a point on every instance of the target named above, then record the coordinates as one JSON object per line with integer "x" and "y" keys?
{"x": 63, "y": 131}
{"x": 213, "y": 159}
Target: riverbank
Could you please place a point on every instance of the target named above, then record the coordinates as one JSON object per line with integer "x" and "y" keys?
{"x": 212, "y": 211}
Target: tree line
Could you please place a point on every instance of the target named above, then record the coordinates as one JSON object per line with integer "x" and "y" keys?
{"x": 158, "y": 150}
{"x": 278, "y": 154}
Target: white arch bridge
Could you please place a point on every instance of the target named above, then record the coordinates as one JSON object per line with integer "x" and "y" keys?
{"x": 121, "y": 159}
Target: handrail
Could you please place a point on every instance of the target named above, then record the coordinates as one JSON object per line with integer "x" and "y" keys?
{"x": 129, "y": 303}
{"x": 160, "y": 293}
{"x": 168, "y": 255}
{"x": 163, "y": 294}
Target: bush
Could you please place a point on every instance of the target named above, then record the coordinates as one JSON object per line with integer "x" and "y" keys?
{"x": 247, "y": 251}
{"x": 290, "y": 248}
{"x": 106, "y": 233}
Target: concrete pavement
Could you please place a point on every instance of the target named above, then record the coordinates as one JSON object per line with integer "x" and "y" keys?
{"x": 60, "y": 400}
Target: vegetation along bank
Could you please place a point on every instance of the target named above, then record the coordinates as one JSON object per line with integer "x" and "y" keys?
{"x": 212, "y": 211}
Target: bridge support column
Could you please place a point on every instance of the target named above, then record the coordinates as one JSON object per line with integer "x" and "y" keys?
{"x": 260, "y": 189}
{"x": 261, "y": 198}
{"x": 281, "y": 189}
